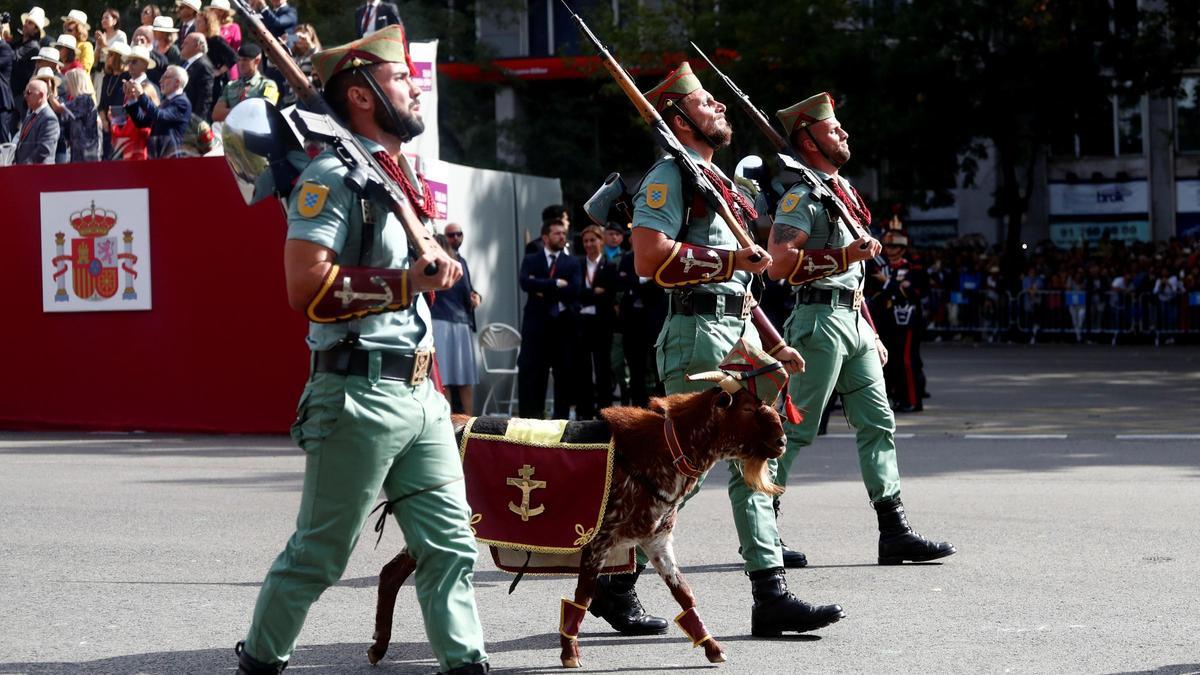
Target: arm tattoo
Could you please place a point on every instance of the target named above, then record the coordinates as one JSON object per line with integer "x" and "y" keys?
{"x": 782, "y": 234}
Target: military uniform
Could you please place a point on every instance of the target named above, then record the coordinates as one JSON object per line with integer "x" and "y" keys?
{"x": 256, "y": 86}
{"x": 838, "y": 345}
{"x": 366, "y": 424}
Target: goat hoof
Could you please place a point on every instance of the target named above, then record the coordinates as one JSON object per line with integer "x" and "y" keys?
{"x": 572, "y": 662}
{"x": 570, "y": 653}
{"x": 713, "y": 651}
{"x": 375, "y": 653}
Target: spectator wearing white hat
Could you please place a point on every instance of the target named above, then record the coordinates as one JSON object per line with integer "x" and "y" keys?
{"x": 68, "y": 54}
{"x": 78, "y": 118}
{"x": 112, "y": 93}
{"x": 75, "y": 24}
{"x": 228, "y": 28}
{"x": 25, "y": 48}
{"x": 39, "y": 130}
{"x": 140, "y": 63}
{"x": 48, "y": 59}
{"x": 168, "y": 121}
{"x": 144, "y": 36}
{"x": 186, "y": 11}
{"x": 165, "y": 35}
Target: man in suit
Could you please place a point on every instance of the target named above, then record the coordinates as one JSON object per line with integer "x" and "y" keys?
{"x": 552, "y": 279}
{"x": 39, "y": 132}
{"x": 200, "y": 72}
{"x": 597, "y": 317}
{"x": 186, "y": 11}
{"x": 168, "y": 121}
{"x": 280, "y": 18}
{"x": 373, "y": 15}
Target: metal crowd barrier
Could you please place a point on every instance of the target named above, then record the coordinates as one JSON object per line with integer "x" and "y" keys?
{"x": 992, "y": 315}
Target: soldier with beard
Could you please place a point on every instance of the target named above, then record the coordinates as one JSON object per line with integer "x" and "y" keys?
{"x": 818, "y": 255}
{"x": 682, "y": 245}
{"x": 369, "y": 417}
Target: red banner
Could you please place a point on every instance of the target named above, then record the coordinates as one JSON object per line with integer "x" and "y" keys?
{"x": 220, "y": 351}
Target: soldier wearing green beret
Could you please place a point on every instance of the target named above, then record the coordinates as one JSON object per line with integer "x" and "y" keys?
{"x": 818, "y": 255}
{"x": 369, "y": 417}
{"x": 680, "y": 243}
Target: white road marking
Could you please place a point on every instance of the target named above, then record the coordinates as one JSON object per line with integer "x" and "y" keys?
{"x": 1158, "y": 437}
{"x": 1015, "y": 437}
{"x": 853, "y": 436}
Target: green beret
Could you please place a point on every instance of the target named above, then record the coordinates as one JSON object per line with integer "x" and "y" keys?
{"x": 388, "y": 45}
{"x": 807, "y": 112}
{"x": 679, "y": 83}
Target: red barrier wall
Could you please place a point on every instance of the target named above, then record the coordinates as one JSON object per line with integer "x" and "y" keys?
{"x": 220, "y": 351}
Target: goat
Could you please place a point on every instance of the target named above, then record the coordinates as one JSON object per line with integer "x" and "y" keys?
{"x": 661, "y": 453}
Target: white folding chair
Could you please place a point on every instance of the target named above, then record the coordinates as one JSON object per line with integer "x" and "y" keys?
{"x": 497, "y": 338}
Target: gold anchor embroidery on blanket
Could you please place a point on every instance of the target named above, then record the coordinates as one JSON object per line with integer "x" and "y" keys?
{"x": 526, "y": 485}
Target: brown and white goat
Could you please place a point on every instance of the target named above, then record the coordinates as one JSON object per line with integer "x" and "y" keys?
{"x": 661, "y": 454}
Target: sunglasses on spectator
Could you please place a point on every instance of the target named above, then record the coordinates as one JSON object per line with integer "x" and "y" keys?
{"x": 454, "y": 234}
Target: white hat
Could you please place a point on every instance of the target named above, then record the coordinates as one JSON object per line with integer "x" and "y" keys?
{"x": 194, "y": 4}
{"x": 67, "y": 41}
{"x": 48, "y": 74}
{"x": 141, "y": 52}
{"x": 78, "y": 17}
{"x": 221, "y": 5}
{"x": 38, "y": 16}
{"x": 119, "y": 48}
{"x": 164, "y": 24}
{"x": 48, "y": 54}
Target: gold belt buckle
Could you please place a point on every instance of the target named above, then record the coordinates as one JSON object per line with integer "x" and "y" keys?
{"x": 421, "y": 363}
{"x": 858, "y": 298}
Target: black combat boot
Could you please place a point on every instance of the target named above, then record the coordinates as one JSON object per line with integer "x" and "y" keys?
{"x": 791, "y": 559}
{"x": 898, "y": 542}
{"x": 616, "y": 602}
{"x": 776, "y": 610}
{"x": 481, "y": 668}
{"x": 248, "y": 665}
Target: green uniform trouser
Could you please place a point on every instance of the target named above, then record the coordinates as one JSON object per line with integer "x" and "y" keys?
{"x": 694, "y": 344}
{"x": 838, "y": 347}
{"x": 362, "y": 434}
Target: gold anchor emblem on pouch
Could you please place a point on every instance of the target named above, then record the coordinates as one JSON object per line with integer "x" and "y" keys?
{"x": 526, "y": 485}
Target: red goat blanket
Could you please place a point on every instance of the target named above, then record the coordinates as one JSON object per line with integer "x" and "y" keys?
{"x": 537, "y": 486}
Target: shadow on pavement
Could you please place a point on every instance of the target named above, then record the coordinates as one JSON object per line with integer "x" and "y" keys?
{"x": 1180, "y": 669}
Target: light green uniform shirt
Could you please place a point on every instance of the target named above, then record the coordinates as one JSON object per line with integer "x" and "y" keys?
{"x": 256, "y": 87}
{"x": 658, "y": 205}
{"x": 337, "y": 225}
{"x": 798, "y": 210}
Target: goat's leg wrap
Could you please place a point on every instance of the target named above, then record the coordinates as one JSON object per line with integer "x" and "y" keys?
{"x": 571, "y": 618}
{"x": 693, "y": 627}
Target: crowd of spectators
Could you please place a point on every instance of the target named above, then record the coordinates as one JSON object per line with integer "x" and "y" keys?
{"x": 1109, "y": 285}
{"x": 152, "y": 92}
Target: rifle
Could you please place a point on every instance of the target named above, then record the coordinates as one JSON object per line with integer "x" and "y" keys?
{"x": 666, "y": 139}
{"x": 318, "y": 122}
{"x": 787, "y": 154}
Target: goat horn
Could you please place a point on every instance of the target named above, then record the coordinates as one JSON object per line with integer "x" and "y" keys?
{"x": 726, "y": 381}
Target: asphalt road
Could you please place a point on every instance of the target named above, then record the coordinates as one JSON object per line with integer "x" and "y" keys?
{"x": 1066, "y": 476}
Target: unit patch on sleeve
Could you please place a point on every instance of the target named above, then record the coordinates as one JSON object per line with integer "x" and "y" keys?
{"x": 656, "y": 195}
{"x": 789, "y": 203}
{"x": 312, "y": 199}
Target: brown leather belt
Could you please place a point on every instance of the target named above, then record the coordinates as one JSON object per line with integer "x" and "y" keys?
{"x": 411, "y": 368}
{"x": 688, "y": 303}
{"x": 823, "y": 296}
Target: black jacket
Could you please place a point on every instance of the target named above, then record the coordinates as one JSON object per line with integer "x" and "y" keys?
{"x": 385, "y": 15}
{"x": 543, "y": 290}
{"x": 6, "y": 65}
{"x": 606, "y": 278}
{"x": 199, "y": 89}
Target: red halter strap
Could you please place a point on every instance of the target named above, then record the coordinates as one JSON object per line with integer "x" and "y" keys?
{"x": 682, "y": 464}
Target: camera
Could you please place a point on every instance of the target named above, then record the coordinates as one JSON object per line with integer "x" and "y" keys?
{"x": 5, "y": 17}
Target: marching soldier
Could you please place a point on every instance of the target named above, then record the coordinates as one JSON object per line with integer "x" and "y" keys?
{"x": 816, "y": 253}
{"x": 686, "y": 248}
{"x": 369, "y": 418}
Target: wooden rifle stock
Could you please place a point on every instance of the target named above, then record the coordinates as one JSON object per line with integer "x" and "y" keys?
{"x": 665, "y": 137}
{"x": 333, "y": 131}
